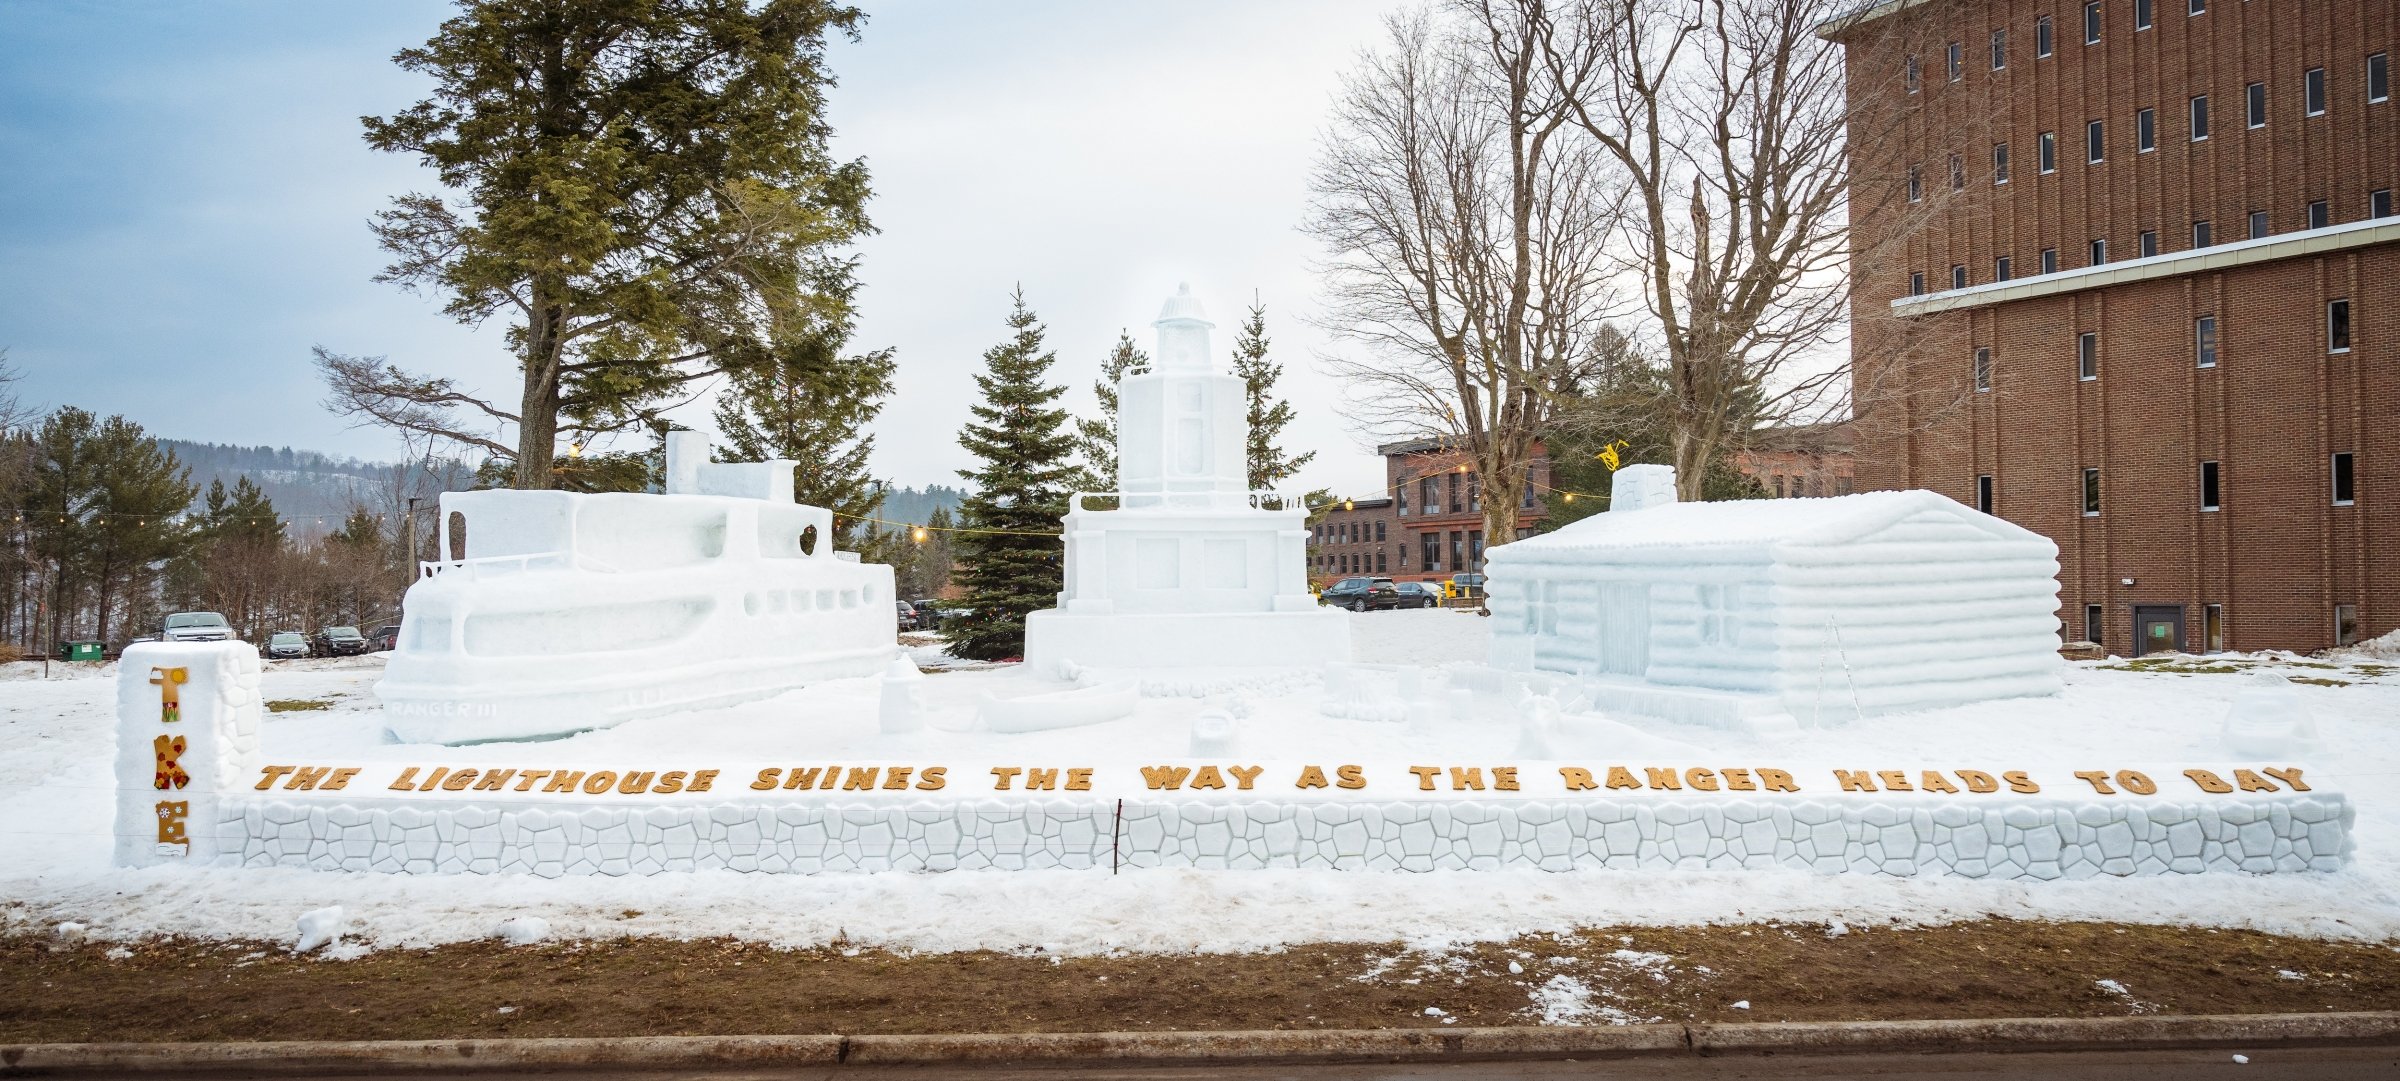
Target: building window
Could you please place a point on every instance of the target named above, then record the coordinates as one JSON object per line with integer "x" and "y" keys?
{"x": 1778, "y": 479}
{"x": 2345, "y": 624}
{"x": 1955, "y": 55}
{"x": 2046, "y": 156}
{"x": 2049, "y": 260}
{"x": 1983, "y": 493}
{"x": 1475, "y": 549}
{"x": 1958, "y": 174}
{"x": 1916, "y": 283}
{"x": 2099, "y": 250}
{"x": 2212, "y": 627}
{"x": 2312, "y": 91}
{"x": 2091, "y": 493}
{"x": 2319, "y": 215}
{"x": 2256, "y": 100}
{"x": 1911, "y": 73}
{"x": 1431, "y": 545}
{"x": 1458, "y": 491}
{"x": 1999, "y": 163}
{"x": 2141, "y": 14}
{"x": 2337, "y": 326}
{"x": 1400, "y": 499}
{"x": 2379, "y": 78}
{"x": 1379, "y": 531}
{"x": 1382, "y": 561}
{"x": 2087, "y": 355}
{"x": 2000, "y": 269}
{"x": 1983, "y": 368}
{"x": 2092, "y": 621}
{"x": 2145, "y": 130}
{"x": 1458, "y": 550}
{"x": 2199, "y": 116}
{"x": 1958, "y": 276}
{"x": 2195, "y": 7}
{"x": 2095, "y": 143}
{"x": 1841, "y": 486}
{"x": 2041, "y": 37}
{"x": 2258, "y": 224}
{"x": 2149, "y": 243}
{"x": 1916, "y": 183}
{"x": 2204, "y": 341}
{"x": 1429, "y": 495}
{"x": 2345, "y": 479}
{"x": 2379, "y": 203}
{"x": 2208, "y": 486}
{"x": 1999, "y": 50}
{"x": 2200, "y": 234}
{"x": 2091, "y": 23}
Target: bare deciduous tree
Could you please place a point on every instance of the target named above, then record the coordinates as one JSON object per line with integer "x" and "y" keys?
{"x": 1465, "y": 222}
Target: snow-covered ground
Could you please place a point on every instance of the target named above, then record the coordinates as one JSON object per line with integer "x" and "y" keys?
{"x": 56, "y": 742}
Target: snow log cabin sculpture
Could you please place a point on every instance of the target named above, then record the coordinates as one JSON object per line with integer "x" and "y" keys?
{"x": 1192, "y": 569}
{"x": 1764, "y": 614}
{"x": 559, "y": 612}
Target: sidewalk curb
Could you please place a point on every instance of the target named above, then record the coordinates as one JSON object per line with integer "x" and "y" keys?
{"x": 1190, "y": 1048}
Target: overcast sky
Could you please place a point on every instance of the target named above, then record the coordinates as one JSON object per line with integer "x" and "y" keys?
{"x": 184, "y": 204}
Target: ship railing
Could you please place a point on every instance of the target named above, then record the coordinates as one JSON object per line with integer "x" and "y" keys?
{"x": 493, "y": 566}
{"x": 1258, "y": 499}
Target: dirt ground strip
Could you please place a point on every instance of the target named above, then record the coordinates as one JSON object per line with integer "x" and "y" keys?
{"x": 182, "y": 990}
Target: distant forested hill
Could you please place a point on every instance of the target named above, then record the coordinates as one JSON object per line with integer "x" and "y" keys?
{"x": 306, "y": 485}
{"x": 914, "y": 507}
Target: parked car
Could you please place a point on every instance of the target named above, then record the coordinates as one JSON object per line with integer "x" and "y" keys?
{"x": 287, "y": 645}
{"x": 340, "y": 642}
{"x": 1362, "y": 594}
{"x": 385, "y": 639}
{"x": 929, "y": 613}
{"x": 907, "y": 614}
{"x": 197, "y": 627}
{"x": 1418, "y": 595}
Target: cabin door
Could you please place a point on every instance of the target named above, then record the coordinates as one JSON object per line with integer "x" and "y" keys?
{"x": 1625, "y": 628}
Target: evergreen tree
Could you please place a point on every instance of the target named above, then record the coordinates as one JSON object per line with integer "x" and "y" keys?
{"x": 812, "y": 404}
{"x": 1010, "y": 554}
{"x": 929, "y": 572}
{"x": 1096, "y": 437}
{"x": 1268, "y": 466}
{"x": 101, "y": 510}
{"x": 1626, "y": 408}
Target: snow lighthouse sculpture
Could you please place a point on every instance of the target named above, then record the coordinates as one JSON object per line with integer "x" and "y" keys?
{"x": 1193, "y": 569}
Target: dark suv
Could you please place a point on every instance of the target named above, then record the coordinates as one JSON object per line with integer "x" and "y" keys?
{"x": 339, "y": 642}
{"x": 1363, "y": 595}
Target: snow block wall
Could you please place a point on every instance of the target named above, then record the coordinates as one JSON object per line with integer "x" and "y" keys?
{"x": 187, "y": 730}
{"x": 2031, "y": 838}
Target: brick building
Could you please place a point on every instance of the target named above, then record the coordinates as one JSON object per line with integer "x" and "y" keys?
{"x": 2137, "y": 287}
{"x": 1425, "y": 526}
{"x": 1802, "y": 460}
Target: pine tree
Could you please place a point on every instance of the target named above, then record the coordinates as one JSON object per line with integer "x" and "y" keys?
{"x": 1010, "y": 553}
{"x": 938, "y": 554}
{"x": 811, "y": 404}
{"x": 1268, "y": 466}
{"x": 1096, "y": 438}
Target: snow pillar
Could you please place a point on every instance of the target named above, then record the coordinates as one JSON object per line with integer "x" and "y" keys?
{"x": 187, "y": 731}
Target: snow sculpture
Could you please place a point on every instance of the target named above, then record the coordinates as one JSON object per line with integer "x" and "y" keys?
{"x": 2270, "y": 718}
{"x": 1759, "y": 614}
{"x": 901, "y": 707}
{"x": 187, "y": 735}
{"x": 562, "y": 612}
{"x": 1191, "y": 570}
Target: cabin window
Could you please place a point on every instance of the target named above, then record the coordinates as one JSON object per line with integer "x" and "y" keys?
{"x": 1719, "y": 619}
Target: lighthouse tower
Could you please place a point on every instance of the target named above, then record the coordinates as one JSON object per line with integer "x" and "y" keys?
{"x": 1191, "y": 569}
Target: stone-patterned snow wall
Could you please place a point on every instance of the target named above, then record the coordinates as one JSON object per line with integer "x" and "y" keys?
{"x": 2029, "y": 838}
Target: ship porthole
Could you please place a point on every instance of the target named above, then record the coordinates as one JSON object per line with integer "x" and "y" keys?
{"x": 750, "y": 603}
{"x": 808, "y": 541}
{"x": 866, "y": 593}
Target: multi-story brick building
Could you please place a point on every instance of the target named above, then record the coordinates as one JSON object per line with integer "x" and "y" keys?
{"x": 1427, "y": 523}
{"x": 2134, "y": 282}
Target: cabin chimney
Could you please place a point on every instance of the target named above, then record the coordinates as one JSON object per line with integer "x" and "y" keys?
{"x": 1639, "y": 487}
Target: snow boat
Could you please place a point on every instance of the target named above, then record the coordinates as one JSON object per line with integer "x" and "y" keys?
{"x": 561, "y": 612}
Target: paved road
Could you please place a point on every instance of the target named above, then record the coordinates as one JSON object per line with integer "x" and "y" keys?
{"x": 2323, "y": 1064}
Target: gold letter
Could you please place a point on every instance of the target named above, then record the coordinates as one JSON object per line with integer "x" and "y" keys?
{"x": 493, "y": 780}
{"x": 1242, "y": 777}
{"x": 600, "y": 781}
{"x": 272, "y": 772}
{"x": 932, "y": 779}
{"x": 564, "y": 781}
{"x": 634, "y": 784}
{"x": 1041, "y": 779}
{"x": 341, "y": 778}
{"x": 1005, "y": 777}
{"x": 1079, "y": 779}
{"x": 1775, "y": 780}
{"x": 1577, "y": 780}
{"x": 2136, "y": 782}
{"x": 1663, "y": 778}
{"x": 525, "y": 780}
{"x": 459, "y": 781}
{"x": 1470, "y": 777}
{"x": 897, "y": 777}
{"x": 2251, "y": 782}
{"x": 2098, "y": 779}
{"x": 2208, "y": 782}
{"x": 1932, "y": 781}
{"x": 1350, "y": 777}
{"x": 2019, "y": 782}
{"x": 669, "y": 783}
{"x": 1894, "y": 780}
{"x": 1737, "y": 780}
{"x": 861, "y": 777}
{"x": 1620, "y": 777}
{"x": 766, "y": 779}
{"x": 1854, "y": 782}
{"x": 1979, "y": 781}
{"x": 1207, "y": 777}
{"x": 1701, "y": 780}
{"x": 2289, "y": 775}
{"x": 1166, "y": 777}
{"x": 1312, "y": 777}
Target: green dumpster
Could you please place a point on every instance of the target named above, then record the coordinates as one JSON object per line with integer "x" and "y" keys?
{"x": 82, "y": 651}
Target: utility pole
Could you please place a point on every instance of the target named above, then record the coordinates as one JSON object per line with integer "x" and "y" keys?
{"x": 408, "y": 546}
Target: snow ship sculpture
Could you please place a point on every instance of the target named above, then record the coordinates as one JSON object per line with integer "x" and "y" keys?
{"x": 1192, "y": 569}
{"x": 559, "y": 612}
{"x": 1762, "y": 614}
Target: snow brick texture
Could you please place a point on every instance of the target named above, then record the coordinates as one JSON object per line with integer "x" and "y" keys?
{"x": 2034, "y": 838}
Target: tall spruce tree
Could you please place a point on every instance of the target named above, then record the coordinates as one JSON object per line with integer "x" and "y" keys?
{"x": 1268, "y": 465}
{"x": 812, "y": 404}
{"x": 1009, "y": 555}
{"x": 1096, "y": 437}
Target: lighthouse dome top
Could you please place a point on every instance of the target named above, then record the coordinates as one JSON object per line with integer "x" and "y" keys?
{"x": 1182, "y": 306}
